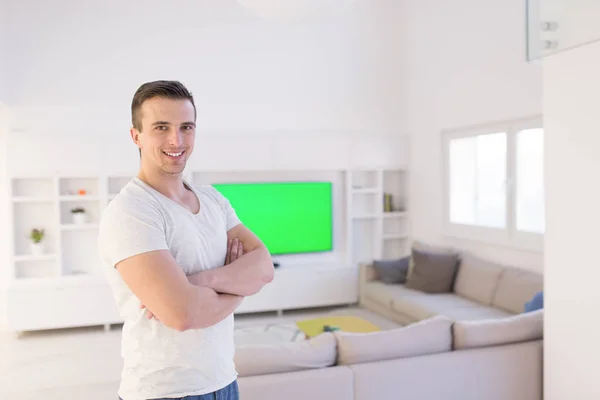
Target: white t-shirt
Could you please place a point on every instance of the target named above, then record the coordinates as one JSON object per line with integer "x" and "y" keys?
{"x": 160, "y": 361}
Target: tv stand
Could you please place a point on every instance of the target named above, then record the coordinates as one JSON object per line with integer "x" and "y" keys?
{"x": 305, "y": 286}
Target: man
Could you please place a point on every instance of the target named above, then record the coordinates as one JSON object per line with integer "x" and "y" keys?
{"x": 178, "y": 253}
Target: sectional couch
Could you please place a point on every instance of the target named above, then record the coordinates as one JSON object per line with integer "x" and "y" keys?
{"x": 479, "y": 289}
{"x": 470, "y": 343}
{"x": 436, "y": 358}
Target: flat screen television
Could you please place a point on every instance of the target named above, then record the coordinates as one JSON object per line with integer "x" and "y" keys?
{"x": 289, "y": 217}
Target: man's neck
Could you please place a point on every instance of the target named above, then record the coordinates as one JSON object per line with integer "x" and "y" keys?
{"x": 170, "y": 185}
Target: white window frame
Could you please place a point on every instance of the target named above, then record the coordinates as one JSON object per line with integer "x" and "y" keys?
{"x": 509, "y": 236}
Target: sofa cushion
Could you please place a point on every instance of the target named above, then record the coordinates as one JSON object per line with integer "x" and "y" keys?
{"x": 433, "y": 272}
{"x": 317, "y": 352}
{"x": 430, "y": 336}
{"x": 448, "y": 304}
{"x": 515, "y": 288}
{"x": 419, "y": 245}
{"x": 477, "y": 313}
{"x": 493, "y": 332}
{"x": 385, "y": 294}
{"x": 477, "y": 278}
{"x": 392, "y": 271}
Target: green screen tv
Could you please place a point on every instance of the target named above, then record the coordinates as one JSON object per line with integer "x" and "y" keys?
{"x": 289, "y": 217}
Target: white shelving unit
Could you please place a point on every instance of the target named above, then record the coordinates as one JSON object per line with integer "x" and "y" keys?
{"x": 52, "y": 289}
{"x": 65, "y": 287}
{"x": 376, "y": 232}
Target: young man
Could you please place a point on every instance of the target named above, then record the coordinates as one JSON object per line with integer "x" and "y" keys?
{"x": 174, "y": 252}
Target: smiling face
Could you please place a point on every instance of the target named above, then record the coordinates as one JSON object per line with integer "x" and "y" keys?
{"x": 166, "y": 134}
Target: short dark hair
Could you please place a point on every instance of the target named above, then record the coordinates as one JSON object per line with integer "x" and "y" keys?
{"x": 167, "y": 89}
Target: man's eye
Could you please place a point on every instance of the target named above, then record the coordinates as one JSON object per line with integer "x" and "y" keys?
{"x": 187, "y": 128}
{"x": 161, "y": 127}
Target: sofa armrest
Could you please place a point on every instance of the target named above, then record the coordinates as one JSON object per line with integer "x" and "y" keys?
{"x": 367, "y": 273}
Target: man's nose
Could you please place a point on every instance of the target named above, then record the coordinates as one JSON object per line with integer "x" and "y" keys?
{"x": 176, "y": 137}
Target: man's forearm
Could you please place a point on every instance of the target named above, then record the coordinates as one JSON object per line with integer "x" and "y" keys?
{"x": 243, "y": 277}
{"x": 213, "y": 308}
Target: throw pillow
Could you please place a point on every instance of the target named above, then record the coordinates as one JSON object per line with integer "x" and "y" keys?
{"x": 392, "y": 271}
{"x": 433, "y": 272}
{"x": 536, "y": 303}
{"x": 423, "y": 246}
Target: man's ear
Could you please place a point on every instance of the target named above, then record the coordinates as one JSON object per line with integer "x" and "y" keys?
{"x": 135, "y": 137}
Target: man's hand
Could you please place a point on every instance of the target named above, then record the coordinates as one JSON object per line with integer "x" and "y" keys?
{"x": 235, "y": 250}
{"x": 243, "y": 276}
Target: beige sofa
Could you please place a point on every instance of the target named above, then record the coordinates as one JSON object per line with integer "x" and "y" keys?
{"x": 482, "y": 289}
{"x": 436, "y": 358}
{"x": 470, "y": 344}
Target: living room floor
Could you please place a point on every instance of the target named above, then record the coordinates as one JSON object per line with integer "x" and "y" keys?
{"x": 85, "y": 363}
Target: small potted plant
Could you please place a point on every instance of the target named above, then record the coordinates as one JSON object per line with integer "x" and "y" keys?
{"x": 79, "y": 215}
{"x": 37, "y": 241}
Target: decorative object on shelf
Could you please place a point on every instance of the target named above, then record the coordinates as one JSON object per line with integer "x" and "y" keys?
{"x": 82, "y": 192}
{"x": 37, "y": 241}
{"x": 387, "y": 202}
{"x": 79, "y": 215}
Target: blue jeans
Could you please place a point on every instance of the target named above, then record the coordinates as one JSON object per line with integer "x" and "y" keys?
{"x": 229, "y": 392}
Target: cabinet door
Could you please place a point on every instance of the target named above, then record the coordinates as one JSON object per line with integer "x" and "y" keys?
{"x": 51, "y": 306}
{"x": 301, "y": 288}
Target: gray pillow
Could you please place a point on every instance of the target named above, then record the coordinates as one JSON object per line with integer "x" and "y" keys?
{"x": 433, "y": 272}
{"x": 392, "y": 271}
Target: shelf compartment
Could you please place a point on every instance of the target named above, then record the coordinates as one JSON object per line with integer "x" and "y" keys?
{"x": 365, "y": 180}
{"x": 33, "y": 188}
{"x": 394, "y": 184}
{"x": 28, "y": 216}
{"x": 92, "y": 210}
{"x": 30, "y": 268}
{"x": 77, "y": 186}
{"x": 116, "y": 184}
{"x": 365, "y": 204}
{"x": 80, "y": 253}
{"x": 395, "y": 227}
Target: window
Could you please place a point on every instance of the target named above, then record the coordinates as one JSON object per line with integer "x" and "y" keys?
{"x": 495, "y": 184}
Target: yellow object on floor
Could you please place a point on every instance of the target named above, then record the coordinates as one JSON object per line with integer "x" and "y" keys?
{"x": 313, "y": 327}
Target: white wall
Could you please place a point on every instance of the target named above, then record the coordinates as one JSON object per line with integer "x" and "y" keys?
{"x": 4, "y": 216}
{"x": 463, "y": 64}
{"x": 4, "y": 59}
{"x": 246, "y": 73}
{"x": 572, "y": 352}
{"x": 77, "y": 66}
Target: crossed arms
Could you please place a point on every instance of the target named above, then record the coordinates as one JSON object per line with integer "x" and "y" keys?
{"x": 200, "y": 300}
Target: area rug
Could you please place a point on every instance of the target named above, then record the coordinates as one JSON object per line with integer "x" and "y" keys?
{"x": 284, "y": 330}
{"x": 267, "y": 334}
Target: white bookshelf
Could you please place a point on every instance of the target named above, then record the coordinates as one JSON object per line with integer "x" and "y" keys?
{"x": 69, "y": 247}
{"x": 373, "y": 231}
{"x": 68, "y": 272}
